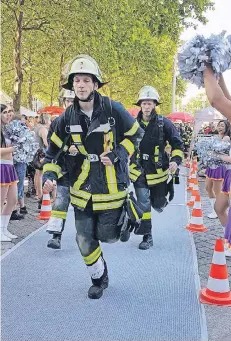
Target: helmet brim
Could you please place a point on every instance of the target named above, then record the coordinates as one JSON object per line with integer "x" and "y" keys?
{"x": 69, "y": 85}
{"x": 139, "y": 102}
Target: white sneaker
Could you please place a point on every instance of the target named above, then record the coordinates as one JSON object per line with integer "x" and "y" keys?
{"x": 228, "y": 252}
{"x": 9, "y": 235}
{"x": 212, "y": 215}
{"x": 4, "y": 238}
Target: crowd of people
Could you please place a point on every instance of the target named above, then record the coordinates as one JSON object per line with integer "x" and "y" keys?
{"x": 88, "y": 157}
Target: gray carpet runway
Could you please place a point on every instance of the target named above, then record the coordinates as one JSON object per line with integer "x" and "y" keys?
{"x": 151, "y": 297}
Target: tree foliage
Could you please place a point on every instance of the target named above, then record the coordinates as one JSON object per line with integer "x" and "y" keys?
{"x": 134, "y": 42}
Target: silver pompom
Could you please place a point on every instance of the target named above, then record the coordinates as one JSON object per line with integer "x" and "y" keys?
{"x": 194, "y": 54}
{"x": 23, "y": 141}
{"x": 208, "y": 148}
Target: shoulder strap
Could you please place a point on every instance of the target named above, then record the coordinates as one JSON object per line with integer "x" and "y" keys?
{"x": 67, "y": 129}
{"x": 61, "y": 149}
{"x": 161, "y": 139}
{"x": 109, "y": 114}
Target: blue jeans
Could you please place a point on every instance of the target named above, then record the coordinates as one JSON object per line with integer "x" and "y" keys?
{"x": 21, "y": 171}
{"x": 144, "y": 202}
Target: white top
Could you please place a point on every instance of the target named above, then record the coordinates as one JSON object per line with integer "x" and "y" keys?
{"x": 88, "y": 113}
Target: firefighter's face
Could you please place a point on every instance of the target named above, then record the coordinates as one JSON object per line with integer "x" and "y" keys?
{"x": 68, "y": 102}
{"x": 147, "y": 107}
{"x": 83, "y": 86}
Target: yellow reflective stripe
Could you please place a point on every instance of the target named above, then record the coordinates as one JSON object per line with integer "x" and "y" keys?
{"x": 133, "y": 177}
{"x": 177, "y": 152}
{"x": 133, "y": 210}
{"x": 133, "y": 129}
{"x": 78, "y": 202}
{"x": 59, "y": 214}
{"x": 128, "y": 145}
{"x": 83, "y": 175}
{"x": 157, "y": 181}
{"x": 111, "y": 137}
{"x": 107, "y": 206}
{"x": 109, "y": 197}
{"x": 146, "y": 216}
{"x": 157, "y": 176}
{"x": 80, "y": 193}
{"x": 111, "y": 179}
{"x": 133, "y": 170}
{"x": 52, "y": 167}
{"x": 92, "y": 258}
{"x": 58, "y": 141}
{"x": 77, "y": 139}
{"x": 156, "y": 152}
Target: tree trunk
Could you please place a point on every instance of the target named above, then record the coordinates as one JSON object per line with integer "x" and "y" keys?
{"x": 29, "y": 94}
{"x": 52, "y": 93}
{"x": 61, "y": 78}
{"x": 17, "y": 62}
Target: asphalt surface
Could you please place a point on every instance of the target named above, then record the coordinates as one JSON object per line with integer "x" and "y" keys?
{"x": 218, "y": 318}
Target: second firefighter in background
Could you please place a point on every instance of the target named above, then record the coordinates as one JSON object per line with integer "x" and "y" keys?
{"x": 150, "y": 168}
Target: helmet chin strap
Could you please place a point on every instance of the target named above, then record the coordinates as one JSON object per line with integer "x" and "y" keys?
{"x": 89, "y": 98}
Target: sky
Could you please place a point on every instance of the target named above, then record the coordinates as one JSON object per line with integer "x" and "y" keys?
{"x": 218, "y": 20}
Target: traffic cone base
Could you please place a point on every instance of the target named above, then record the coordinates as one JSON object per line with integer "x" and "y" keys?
{"x": 207, "y": 298}
{"x": 196, "y": 228}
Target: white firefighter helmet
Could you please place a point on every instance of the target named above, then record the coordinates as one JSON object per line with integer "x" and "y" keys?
{"x": 84, "y": 64}
{"x": 147, "y": 92}
{"x": 68, "y": 94}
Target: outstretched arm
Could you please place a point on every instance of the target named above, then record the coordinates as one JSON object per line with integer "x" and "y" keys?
{"x": 215, "y": 94}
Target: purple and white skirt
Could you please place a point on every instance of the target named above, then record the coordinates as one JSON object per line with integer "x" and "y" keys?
{"x": 8, "y": 175}
{"x": 216, "y": 173}
{"x": 227, "y": 182}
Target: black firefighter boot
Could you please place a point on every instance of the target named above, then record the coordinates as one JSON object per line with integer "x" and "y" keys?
{"x": 147, "y": 242}
{"x": 99, "y": 284}
{"x": 55, "y": 242}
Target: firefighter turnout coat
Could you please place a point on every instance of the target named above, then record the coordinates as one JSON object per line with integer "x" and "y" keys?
{"x": 111, "y": 130}
{"x": 153, "y": 161}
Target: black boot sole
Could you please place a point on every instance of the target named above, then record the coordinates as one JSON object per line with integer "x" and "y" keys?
{"x": 146, "y": 247}
{"x": 53, "y": 245}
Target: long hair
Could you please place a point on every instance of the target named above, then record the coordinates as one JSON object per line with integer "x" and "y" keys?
{"x": 3, "y": 141}
{"x": 227, "y": 127}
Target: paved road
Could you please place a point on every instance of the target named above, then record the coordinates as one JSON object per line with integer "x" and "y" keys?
{"x": 152, "y": 295}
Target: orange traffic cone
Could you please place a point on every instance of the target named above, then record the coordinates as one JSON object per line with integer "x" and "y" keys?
{"x": 218, "y": 290}
{"x": 192, "y": 181}
{"x": 196, "y": 222}
{"x": 45, "y": 212}
{"x": 194, "y": 194}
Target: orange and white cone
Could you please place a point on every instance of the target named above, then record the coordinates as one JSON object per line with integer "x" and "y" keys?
{"x": 192, "y": 181}
{"x": 46, "y": 208}
{"x": 196, "y": 222}
{"x": 194, "y": 194}
{"x": 218, "y": 290}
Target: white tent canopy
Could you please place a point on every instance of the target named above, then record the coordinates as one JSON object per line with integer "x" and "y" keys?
{"x": 207, "y": 115}
{"x": 7, "y": 100}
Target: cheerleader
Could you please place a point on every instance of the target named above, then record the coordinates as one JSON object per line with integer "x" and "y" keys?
{"x": 215, "y": 176}
{"x": 8, "y": 179}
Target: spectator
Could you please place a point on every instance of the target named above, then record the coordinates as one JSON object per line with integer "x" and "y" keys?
{"x": 21, "y": 172}
{"x": 41, "y": 131}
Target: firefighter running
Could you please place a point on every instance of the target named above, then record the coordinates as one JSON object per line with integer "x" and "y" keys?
{"x": 150, "y": 168}
{"x": 104, "y": 136}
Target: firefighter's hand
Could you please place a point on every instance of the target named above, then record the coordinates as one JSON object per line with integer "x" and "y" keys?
{"x": 73, "y": 150}
{"x": 173, "y": 167}
{"x": 49, "y": 185}
{"x": 105, "y": 159}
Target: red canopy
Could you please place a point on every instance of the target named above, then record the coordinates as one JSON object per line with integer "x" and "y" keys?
{"x": 52, "y": 110}
{"x": 133, "y": 111}
{"x": 181, "y": 116}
